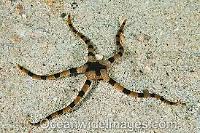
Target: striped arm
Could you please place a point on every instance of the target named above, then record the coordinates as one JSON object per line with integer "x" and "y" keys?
{"x": 69, "y": 108}
{"x": 91, "y": 54}
{"x": 118, "y": 43}
{"x": 65, "y": 73}
{"x": 144, "y": 94}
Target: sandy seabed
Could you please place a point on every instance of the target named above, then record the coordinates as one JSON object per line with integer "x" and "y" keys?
{"x": 162, "y": 54}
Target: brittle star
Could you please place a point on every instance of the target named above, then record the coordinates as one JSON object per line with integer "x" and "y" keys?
{"x": 94, "y": 70}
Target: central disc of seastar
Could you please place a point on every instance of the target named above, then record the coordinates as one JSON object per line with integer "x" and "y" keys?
{"x": 93, "y": 70}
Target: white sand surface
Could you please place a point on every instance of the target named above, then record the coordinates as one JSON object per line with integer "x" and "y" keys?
{"x": 162, "y": 54}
